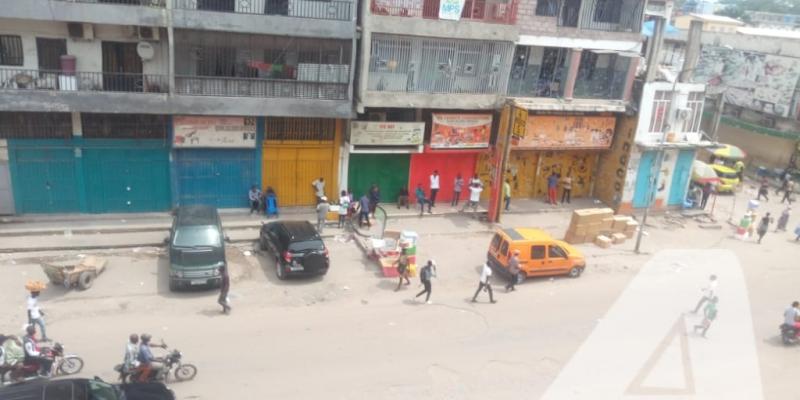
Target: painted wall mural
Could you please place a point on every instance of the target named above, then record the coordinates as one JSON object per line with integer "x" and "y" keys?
{"x": 757, "y": 81}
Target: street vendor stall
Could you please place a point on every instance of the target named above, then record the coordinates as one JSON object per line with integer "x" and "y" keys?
{"x": 387, "y": 250}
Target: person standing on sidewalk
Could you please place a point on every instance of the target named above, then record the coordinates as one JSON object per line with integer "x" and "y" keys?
{"x": 402, "y": 198}
{"x": 708, "y": 292}
{"x": 458, "y": 185}
{"x": 507, "y": 193}
{"x": 513, "y": 270}
{"x": 322, "y": 213}
{"x": 476, "y": 180}
{"x": 709, "y": 315}
{"x": 425, "y": 274}
{"x": 474, "y": 197}
{"x": 434, "y": 187}
{"x": 224, "y": 288}
{"x": 363, "y": 211}
{"x": 707, "y": 189}
{"x": 483, "y": 284}
{"x": 789, "y": 189}
{"x": 763, "y": 226}
{"x": 344, "y": 206}
{"x": 36, "y": 315}
{"x": 552, "y": 188}
{"x": 566, "y": 186}
{"x": 254, "y": 195}
{"x": 739, "y": 167}
{"x": 421, "y": 200}
{"x": 319, "y": 188}
{"x": 374, "y": 198}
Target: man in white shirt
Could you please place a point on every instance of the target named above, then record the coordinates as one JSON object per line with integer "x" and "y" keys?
{"x": 709, "y": 292}
{"x": 434, "y": 187}
{"x": 474, "y": 197}
{"x": 35, "y": 315}
{"x": 319, "y": 187}
{"x": 484, "y": 284}
{"x": 131, "y": 360}
{"x": 792, "y": 314}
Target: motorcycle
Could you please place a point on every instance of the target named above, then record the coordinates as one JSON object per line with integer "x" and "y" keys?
{"x": 63, "y": 364}
{"x": 172, "y": 361}
{"x": 789, "y": 334}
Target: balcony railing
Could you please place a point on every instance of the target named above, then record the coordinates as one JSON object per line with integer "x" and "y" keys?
{"x": 610, "y": 16}
{"x": 149, "y": 3}
{"x": 341, "y": 10}
{"x": 492, "y": 11}
{"x": 257, "y": 87}
{"x": 35, "y": 79}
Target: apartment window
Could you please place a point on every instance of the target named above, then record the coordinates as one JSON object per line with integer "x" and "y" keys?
{"x": 695, "y": 104}
{"x": 49, "y": 52}
{"x": 10, "y": 50}
{"x": 547, "y": 8}
{"x": 116, "y": 126}
{"x": 608, "y": 11}
{"x": 35, "y": 125}
{"x": 658, "y": 119}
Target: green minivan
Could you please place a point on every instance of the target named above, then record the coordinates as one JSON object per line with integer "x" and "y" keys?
{"x": 196, "y": 247}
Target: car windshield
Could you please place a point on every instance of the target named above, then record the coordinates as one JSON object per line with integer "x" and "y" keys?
{"x": 197, "y": 236}
{"x": 727, "y": 175}
{"x": 307, "y": 245}
{"x": 102, "y": 391}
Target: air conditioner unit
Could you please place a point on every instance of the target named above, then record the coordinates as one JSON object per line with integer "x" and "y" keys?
{"x": 684, "y": 113}
{"x": 147, "y": 33}
{"x": 81, "y": 31}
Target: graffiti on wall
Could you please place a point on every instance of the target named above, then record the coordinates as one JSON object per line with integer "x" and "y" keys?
{"x": 613, "y": 165}
{"x": 577, "y": 165}
{"x": 567, "y": 132}
{"x": 756, "y": 81}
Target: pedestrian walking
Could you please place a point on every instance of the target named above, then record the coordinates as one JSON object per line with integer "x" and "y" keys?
{"x": 707, "y": 189}
{"x": 421, "y": 200}
{"x": 783, "y": 220}
{"x": 513, "y": 271}
{"x": 708, "y": 292}
{"x": 425, "y": 274}
{"x": 374, "y": 198}
{"x": 319, "y": 188}
{"x": 484, "y": 284}
{"x": 271, "y": 203}
{"x": 344, "y": 207}
{"x": 36, "y": 315}
{"x": 402, "y": 198}
{"x": 507, "y": 193}
{"x": 363, "y": 211}
{"x": 224, "y": 288}
{"x": 787, "y": 194}
{"x": 566, "y": 187}
{"x": 402, "y": 268}
{"x": 254, "y": 195}
{"x": 763, "y": 226}
{"x": 434, "y": 187}
{"x": 322, "y": 213}
{"x": 785, "y": 178}
{"x": 709, "y": 315}
{"x": 552, "y": 188}
{"x": 458, "y": 185}
{"x": 763, "y": 189}
{"x": 739, "y": 166}
{"x": 474, "y": 197}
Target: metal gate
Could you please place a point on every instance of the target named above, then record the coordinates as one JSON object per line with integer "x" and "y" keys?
{"x": 388, "y": 171}
{"x": 289, "y": 170}
{"x": 641, "y": 197}
{"x": 215, "y": 177}
{"x": 680, "y": 177}
{"x": 6, "y": 195}
{"x": 45, "y": 180}
{"x": 126, "y": 180}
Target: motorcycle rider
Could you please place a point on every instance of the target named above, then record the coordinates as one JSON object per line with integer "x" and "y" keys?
{"x": 147, "y": 362}
{"x": 33, "y": 355}
{"x": 131, "y": 360}
{"x": 791, "y": 317}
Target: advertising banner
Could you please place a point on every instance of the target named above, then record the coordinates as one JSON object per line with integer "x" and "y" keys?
{"x": 226, "y": 132}
{"x": 461, "y": 131}
{"x": 567, "y": 132}
{"x": 364, "y": 133}
{"x": 451, "y": 9}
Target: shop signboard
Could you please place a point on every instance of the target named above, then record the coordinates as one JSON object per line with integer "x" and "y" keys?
{"x": 205, "y": 132}
{"x": 364, "y": 133}
{"x": 461, "y": 131}
{"x": 556, "y": 132}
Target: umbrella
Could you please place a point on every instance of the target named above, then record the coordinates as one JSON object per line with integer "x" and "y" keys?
{"x": 702, "y": 173}
{"x": 729, "y": 151}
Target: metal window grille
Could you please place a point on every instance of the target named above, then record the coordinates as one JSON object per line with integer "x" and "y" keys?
{"x": 127, "y": 126}
{"x": 658, "y": 118}
{"x": 608, "y": 11}
{"x": 538, "y": 71}
{"x": 35, "y": 125}
{"x": 306, "y": 129}
{"x": 547, "y": 8}
{"x": 694, "y": 103}
{"x": 11, "y": 50}
{"x": 49, "y": 52}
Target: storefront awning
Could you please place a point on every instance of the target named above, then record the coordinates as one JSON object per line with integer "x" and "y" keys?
{"x": 631, "y": 54}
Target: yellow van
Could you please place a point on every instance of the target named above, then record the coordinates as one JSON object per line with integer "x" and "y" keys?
{"x": 728, "y": 178}
{"x": 539, "y": 254}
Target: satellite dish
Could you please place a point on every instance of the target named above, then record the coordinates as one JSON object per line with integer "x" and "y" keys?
{"x": 145, "y": 51}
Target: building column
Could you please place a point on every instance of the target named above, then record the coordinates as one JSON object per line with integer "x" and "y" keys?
{"x": 572, "y": 73}
{"x": 627, "y": 94}
{"x": 171, "y": 46}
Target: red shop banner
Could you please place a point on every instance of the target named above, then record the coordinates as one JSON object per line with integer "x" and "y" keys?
{"x": 461, "y": 131}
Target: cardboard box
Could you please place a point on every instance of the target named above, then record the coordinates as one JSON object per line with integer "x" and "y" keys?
{"x": 593, "y": 227}
{"x": 573, "y": 238}
{"x": 631, "y": 225}
{"x": 630, "y": 234}
{"x": 618, "y": 238}
{"x": 606, "y": 223}
{"x": 581, "y": 230}
{"x": 620, "y": 223}
{"x": 603, "y": 241}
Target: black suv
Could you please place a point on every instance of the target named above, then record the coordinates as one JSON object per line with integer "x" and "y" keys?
{"x": 196, "y": 247}
{"x": 297, "y": 247}
{"x": 84, "y": 389}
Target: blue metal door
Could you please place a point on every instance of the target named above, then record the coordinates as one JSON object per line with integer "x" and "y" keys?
{"x": 127, "y": 179}
{"x": 44, "y": 180}
{"x": 680, "y": 177}
{"x": 216, "y": 177}
{"x": 641, "y": 197}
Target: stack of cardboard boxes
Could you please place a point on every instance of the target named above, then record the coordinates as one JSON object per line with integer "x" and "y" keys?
{"x": 601, "y": 226}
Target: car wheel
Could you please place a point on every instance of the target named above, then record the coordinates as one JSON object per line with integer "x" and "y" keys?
{"x": 575, "y": 272}
{"x": 262, "y": 245}
{"x": 279, "y": 269}
{"x": 86, "y": 279}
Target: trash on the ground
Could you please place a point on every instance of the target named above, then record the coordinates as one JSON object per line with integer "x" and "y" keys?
{"x": 248, "y": 253}
{"x": 79, "y": 274}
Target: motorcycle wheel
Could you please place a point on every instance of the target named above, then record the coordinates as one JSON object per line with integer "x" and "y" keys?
{"x": 185, "y": 372}
{"x": 70, "y": 365}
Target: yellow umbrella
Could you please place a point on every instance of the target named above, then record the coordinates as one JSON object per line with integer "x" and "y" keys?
{"x": 730, "y": 152}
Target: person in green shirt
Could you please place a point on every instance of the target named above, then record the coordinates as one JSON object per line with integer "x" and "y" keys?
{"x": 709, "y": 315}
{"x": 507, "y": 193}
{"x": 739, "y": 166}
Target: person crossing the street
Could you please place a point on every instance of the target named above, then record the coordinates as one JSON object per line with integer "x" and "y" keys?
{"x": 484, "y": 284}
{"x": 425, "y": 275}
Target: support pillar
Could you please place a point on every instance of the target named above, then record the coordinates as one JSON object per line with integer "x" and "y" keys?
{"x": 572, "y": 73}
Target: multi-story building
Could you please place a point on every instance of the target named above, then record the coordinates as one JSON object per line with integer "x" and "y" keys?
{"x": 139, "y": 105}
{"x": 768, "y": 20}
